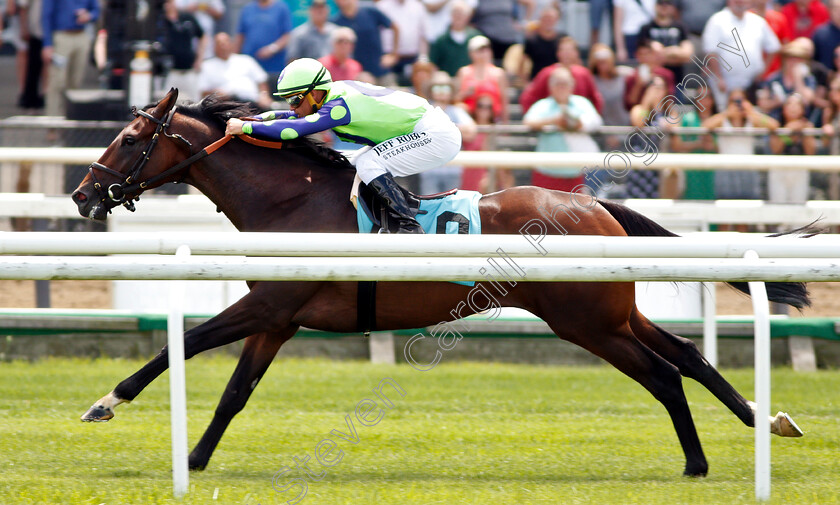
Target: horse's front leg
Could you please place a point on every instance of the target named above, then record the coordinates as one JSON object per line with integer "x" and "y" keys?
{"x": 248, "y": 316}
{"x": 256, "y": 357}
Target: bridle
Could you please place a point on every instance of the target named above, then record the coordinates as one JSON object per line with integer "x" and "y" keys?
{"x": 118, "y": 191}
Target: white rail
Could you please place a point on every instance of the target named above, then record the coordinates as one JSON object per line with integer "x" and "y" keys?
{"x": 530, "y": 244}
{"x": 198, "y": 208}
{"x": 417, "y": 269}
{"x": 517, "y": 159}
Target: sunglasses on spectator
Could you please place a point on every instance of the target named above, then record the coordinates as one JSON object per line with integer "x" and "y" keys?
{"x": 295, "y": 100}
{"x": 484, "y": 106}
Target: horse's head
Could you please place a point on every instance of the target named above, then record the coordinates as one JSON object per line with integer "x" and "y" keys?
{"x": 140, "y": 158}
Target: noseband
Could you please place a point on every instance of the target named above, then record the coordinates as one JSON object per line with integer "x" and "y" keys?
{"x": 118, "y": 192}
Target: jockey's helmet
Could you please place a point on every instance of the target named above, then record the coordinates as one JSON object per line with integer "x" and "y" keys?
{"x": 300, "y": 77}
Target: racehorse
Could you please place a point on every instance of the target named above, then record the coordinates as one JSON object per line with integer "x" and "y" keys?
{"x": 305, "y": 187}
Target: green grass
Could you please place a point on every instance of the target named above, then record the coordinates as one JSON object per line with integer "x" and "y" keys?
{"x": 463, "y": 433}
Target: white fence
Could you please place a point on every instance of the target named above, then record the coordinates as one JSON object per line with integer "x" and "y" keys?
{"x": 405, "y": 266}
{"x": 518, "y": 159}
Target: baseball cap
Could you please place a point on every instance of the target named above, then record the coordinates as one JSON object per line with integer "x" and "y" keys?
{"x": 478, "y": 42}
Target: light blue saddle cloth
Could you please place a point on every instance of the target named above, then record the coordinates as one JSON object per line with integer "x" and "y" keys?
{"x": 452, "y": 214}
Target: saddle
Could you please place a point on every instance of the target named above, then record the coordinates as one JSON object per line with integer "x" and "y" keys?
{"x": 384, "y": 220}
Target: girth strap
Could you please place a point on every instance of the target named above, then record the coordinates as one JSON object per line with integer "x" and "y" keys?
{"x": 366, "y": 307}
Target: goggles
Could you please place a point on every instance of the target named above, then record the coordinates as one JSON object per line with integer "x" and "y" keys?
{"x": 295, "y": 100}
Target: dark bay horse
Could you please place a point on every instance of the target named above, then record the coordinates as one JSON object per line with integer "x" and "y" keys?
{"x": 305, "y": 187}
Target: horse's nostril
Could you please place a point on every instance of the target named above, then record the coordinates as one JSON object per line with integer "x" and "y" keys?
{"x": 80, "y": 197}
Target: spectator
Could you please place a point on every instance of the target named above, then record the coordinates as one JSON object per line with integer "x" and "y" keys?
{"x": 791, "y": 186}
{"x": 646, "y": 183}
{"x": 597, "y": 9}
{"x": 449, "y": 52}
{"x": 312, "y": 38}
{"x": 482, "y": 77}
{"x": 757, "y": 39}
{"x": 496, "y": 20}
{"x": 479, "y": 178}
{"x": 541, "y": 45}
{"x": 804, "y": 16}
{"x": 184, "y": 41}
{"x": 673, "y": 36}
{"x": 572, "y": 117}
{"x": 610, "y": 80}
{"x": 827, "y": 37}
{"x": 567, "y": 53}
{"x": 366, "y": 22}
{"x": 447, "y": 177}
{"x": 207, "y": 13}
{"x": 778, "y": 23}
{"x": 794, "y": 77}
{"x": 831, "y": 129}
{"x": 421, "y": 77}
{"x": 339, "y": 62}
{"x": 836, "y": 61}
{"x": 264, "y": 28}
{"x": 739, "y": 113}
{"x": 66, "y": 47}
{"x": 650, "y": 55}
{"x": 33, "y": 97}
{"x": 438, "y": 14}
{"x": 235, "y": 76}
{"x": 698, "y": 184}
{"x": 629, "y": 16}
{"x": 16, "y": 33}
{"x": 694, "y": 16}
{"x": 411, "y": 15}
{"x": 822, "y": 76}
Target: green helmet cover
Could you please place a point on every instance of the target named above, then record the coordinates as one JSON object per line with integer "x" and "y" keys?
{"x": 302, "y": 76}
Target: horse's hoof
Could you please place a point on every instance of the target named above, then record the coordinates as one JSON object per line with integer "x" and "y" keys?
{"x": 784, "y": 426}
{"x": 196, "y": 465}
{"x": 696, "y": 471}
{"x": 98, "y": 414}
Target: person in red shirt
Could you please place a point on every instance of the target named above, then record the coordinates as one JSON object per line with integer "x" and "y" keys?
{"x": 779, "y": 24}
{"x": 568, "y": 56}
{"x": 339, "y": 62}
{"x": 804, "y": 16}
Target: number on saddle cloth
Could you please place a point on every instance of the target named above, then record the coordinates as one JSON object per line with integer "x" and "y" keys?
{"x": 453, "y": 212}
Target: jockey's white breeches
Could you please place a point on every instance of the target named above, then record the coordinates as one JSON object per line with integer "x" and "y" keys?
{"x": 433, "y": 143}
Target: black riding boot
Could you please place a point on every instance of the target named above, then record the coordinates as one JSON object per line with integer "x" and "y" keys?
{"x": 392, "y": 196}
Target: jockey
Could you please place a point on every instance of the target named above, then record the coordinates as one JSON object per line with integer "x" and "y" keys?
{"x": 402, "y": 132}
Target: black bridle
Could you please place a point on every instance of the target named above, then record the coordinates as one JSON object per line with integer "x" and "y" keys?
{"x": 118, "y": 191}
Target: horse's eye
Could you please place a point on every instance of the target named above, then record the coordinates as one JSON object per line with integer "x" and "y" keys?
{"x": 129, "y": 141}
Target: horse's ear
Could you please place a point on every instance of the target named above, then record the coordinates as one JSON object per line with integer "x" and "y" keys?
{"x": 167, "y": 102}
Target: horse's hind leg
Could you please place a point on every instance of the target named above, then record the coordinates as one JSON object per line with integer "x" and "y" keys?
{"x": 683, "y": 353}
{"x": 621, "y": 349}
{"x": 256, "y": 357}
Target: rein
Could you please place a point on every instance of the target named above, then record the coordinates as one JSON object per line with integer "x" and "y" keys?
{"x": 118, "y": 192}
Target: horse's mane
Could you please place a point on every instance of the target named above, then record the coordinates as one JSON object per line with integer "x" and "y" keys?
{"x": 217, "y": 110}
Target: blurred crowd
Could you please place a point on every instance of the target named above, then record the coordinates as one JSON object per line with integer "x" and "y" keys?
{"x": 726, "y": 65}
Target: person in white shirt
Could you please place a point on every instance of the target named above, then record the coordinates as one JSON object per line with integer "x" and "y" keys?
{"x": 629, "y": 16}
{"x": 236, "y": 76}
{"x": 738, "y": 44}
{"x": 410, "y": 16}
{"x": 438, "y": 16}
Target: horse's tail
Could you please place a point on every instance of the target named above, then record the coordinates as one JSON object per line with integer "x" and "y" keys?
{"x": 794, "y": 294}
